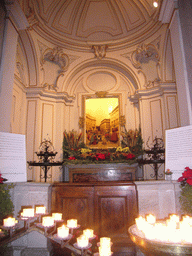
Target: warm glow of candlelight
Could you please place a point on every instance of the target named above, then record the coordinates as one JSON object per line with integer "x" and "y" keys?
{"x": 9, "y": 222}
{"x": 151, "y": 219}
{"x": 63, "y": 231}
{"x": 72, "y": 223}
{"x": 88, "y": 233}
{"x": 57, "y": 216}
{"x": 105, "y": 251}
{"x": 170, "y": 231}
{"x": 82, "y": 241}
{"x": 105, "y": 241}
{"x": 40, "y": 210}
{"x": 47, "y": 221}
{"x": 27, "y": 213}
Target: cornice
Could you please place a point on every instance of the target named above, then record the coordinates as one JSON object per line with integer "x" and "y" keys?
{"x": 42, "y": 93}
{"x": 157, "y": 91}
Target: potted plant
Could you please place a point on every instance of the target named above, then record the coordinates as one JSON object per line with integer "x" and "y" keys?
{"x": 168, "y": 174}
{"x": 6, "y": 205}
{"x": 186, "y": 191}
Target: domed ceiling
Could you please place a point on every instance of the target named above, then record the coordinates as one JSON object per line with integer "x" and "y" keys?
{"x": 84, "y": 22}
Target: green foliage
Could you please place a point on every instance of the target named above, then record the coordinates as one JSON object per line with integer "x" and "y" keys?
{"x": 186, "y": 199}
{"x": 6, "y": 205}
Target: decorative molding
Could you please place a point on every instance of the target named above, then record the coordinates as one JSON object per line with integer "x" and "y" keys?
{"x": 101, "y": 94}
{"x": 141, "y": 57}
{"x": 99, "y": 51}
{"x": 122, "y": 121}
{"x": 81, "y": 122}
{"x": 57, "y": 57}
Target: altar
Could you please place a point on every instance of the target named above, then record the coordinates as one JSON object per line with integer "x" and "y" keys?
{"x": 101, "y": 172}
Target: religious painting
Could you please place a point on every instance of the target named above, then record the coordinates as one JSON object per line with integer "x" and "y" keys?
{"x": 102, "y": 122}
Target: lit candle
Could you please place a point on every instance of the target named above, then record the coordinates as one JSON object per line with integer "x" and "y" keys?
{"x": 47, "y": 221}
{"x": 151, "y": 219}
{"x": 174, "y": 217}
{"x": 9, "y": 222}
{"x": 104, "y": 251}
{"x": 27, "y": 213}
{"x": 88, "y": 233}
{"x": 105, "y": 241}
{"x": 72, "y": 223}
{"x": 63, "y": 231}
{"x": 57, "y": 216}
{"x": 40, "y": 209}
{"x": 82, "y": 241}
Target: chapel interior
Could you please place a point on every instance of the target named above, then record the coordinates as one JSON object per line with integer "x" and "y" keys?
{"x": 56, "y": 57}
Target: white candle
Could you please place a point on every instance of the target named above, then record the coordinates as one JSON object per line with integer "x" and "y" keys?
{"x": 57, "y": 216}
{"x": 40, "y": 209}
{"x": 104, "y": 251}
{"x": 72, "y": 223}
{"x": 9, "y": 222}
{"x": 63, "y": 231}
{"x": 88, "y": 233}
{"x": 151, "y": 219}
{"x": 27, "y": 213}
{"x": 105, "y": 241}
{"x": 82, "y": 241}
{"x": 48, "y": 221}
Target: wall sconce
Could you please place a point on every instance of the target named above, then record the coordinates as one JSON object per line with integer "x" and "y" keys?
{"x": 155, "y": 4}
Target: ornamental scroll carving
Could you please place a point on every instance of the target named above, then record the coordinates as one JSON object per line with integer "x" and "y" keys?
{"x": 147, "y": 60}
{"x": 100, "y": 51}
{"x": 53, "y": 64}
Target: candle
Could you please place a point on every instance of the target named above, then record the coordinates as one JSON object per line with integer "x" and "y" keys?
{"x": 88, "y": 233}
{"x": 104, "y": 251}
{"x": 151, "y": 219}
{"x": 9, "y": 222}
{"x": 48, "y": 221}
{"x": 174, "y": 217}
{"x": 72, "y": 223}
{"x": 57, "y": 216}
{"x": 27, "y": 213}
{"x": 40, "y": 210}
{"x": 82, "y": 241}
{"x": 63, "y": 231}
{"x": 105, "y": 241}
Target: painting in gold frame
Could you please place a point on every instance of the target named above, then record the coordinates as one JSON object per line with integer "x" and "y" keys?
{"x": 102, "y": 122}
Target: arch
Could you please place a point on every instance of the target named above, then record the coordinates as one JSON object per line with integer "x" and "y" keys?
{"x": 70, "y": 83}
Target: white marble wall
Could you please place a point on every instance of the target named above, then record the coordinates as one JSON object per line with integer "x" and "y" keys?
{"x": 160, "y": 198}
{"x": 30, "y": 194}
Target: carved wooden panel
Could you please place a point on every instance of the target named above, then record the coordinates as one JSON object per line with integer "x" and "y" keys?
{"x": 107, "y": 207}
{"x": 74, "y": 202}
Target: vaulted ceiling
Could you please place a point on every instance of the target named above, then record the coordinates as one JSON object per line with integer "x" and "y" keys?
{"x": 82, "y": 22}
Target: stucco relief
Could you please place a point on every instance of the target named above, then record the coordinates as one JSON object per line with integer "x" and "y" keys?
{"x": 53, "y": 64}
{"x": 146, "y": 60}
{"x": 99, "y": 51}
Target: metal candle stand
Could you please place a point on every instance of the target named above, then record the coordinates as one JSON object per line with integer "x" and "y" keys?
{"x": 154, "y": 155}
{"x": 46, "y": 157}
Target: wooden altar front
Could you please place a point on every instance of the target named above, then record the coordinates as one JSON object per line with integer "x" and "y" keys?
{"x": 108, "y": 207}
{"x": 100, "y": 172}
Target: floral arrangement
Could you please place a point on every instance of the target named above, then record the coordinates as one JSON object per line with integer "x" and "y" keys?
{"x": 186, "y": 191}
{"x": 168, "y": 172}
{"x": 76, "y": 152}
{"x": 6, "y": 205}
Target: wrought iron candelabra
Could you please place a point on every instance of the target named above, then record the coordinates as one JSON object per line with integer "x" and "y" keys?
{"x": 46, "y": 157}
{"x": 155, "y": 156}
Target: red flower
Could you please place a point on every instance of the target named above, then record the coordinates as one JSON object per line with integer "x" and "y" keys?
{"x": 187, "y": 173}
{"x": 181, "y": 179}
{"x": 130, "y": 156}
{"x": 72, "y": 158}
{"x": 1, "y": 179}
{"x": 100, "y": 156}
{"x": 189, "y": 181}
